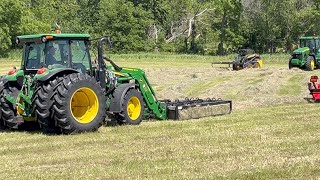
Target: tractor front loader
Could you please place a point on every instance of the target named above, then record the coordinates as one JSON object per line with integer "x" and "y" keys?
{"x": 59, "y": 88}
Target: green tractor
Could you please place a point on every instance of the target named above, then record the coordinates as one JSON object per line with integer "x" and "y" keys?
{"x": 307, "y": 56}
{"x": 61, "y": 90}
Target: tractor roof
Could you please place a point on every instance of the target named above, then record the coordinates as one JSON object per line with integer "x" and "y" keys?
{"x": 309, "y": 37}
{"x": 38, "y": 38}
{"x": 54, "y": 35}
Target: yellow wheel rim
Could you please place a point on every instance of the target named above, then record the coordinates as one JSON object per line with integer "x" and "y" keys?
{"x": 312, "y": 64}
{"x": 134, "y": 108}
{"x": 84, "y": 105}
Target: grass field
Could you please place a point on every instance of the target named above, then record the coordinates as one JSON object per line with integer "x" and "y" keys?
{"x": 273, "y": 133}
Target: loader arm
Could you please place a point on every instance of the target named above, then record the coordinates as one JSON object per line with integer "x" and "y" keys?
{"x": 158, "y": 108}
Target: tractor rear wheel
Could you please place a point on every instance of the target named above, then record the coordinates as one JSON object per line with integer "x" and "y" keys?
{"x": 2, "y": 125}
{"x": 9, "y": 110}
{"x": 132, "y": 108}
{"x": 79, "y": 104}
{"x": 43, "y": 103}
{"x": 310, "y": 65}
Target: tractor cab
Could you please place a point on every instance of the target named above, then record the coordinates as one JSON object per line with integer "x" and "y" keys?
{"x": 54, "y": 51}
{"x": 313, "y": 43}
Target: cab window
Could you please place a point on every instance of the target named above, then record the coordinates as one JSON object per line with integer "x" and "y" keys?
{"x": 56, "y": 53}
{"x": 34, "y": 56}
{"x": 80, "y": 55}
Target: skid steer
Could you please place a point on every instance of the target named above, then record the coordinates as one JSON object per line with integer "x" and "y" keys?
{"x": 60, "y": 88}
{"x": 246, "y": 58}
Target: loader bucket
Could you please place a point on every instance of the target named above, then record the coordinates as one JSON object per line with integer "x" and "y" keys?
{"x": 197, "y": 108}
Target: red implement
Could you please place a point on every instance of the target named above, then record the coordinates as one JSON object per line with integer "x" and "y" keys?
{"x": 314, "y": 88}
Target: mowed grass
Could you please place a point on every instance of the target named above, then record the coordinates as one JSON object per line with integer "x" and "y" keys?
{"x": 278, "y": 140}
{"x": 264, "y": 143}
{"x": 201, "y": 87}
{"x": 292, "y": 87}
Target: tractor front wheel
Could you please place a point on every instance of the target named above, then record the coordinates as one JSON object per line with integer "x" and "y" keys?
{"x": 310, "y": 65}
{"x": 79, "y": 104}
{"x": 236, "y": 67}
{"x": 132, "y": 108}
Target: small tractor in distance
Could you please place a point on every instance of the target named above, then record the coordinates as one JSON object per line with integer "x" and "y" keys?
{"x": 307, "y": 56}
{"x": 61, "y": 90}
{"x": 246, "y": 58}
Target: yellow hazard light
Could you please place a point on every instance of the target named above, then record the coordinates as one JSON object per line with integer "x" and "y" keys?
{"x": 49, "y": 37}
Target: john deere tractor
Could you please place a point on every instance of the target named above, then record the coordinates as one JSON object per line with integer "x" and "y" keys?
{"x": 307, "y": 55}
{"x": 60, "y": 88}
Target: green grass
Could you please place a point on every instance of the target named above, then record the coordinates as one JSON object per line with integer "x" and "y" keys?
{"x": 275, "y": 140}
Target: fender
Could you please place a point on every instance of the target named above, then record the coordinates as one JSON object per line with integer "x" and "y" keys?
{"x": 59, "y": 72}
{"x": 118, "y": 96}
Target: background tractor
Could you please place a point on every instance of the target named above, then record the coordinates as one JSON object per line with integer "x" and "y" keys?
{"x": 307, "y": 55}
{"x": 60, "y": 88}
{"x": 246, "y": 58}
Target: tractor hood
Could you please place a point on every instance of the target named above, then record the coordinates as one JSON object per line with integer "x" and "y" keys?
{"x": 301, "y": 50}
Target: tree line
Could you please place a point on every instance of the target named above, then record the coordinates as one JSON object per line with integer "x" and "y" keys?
{"x": 216, "y": 27}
